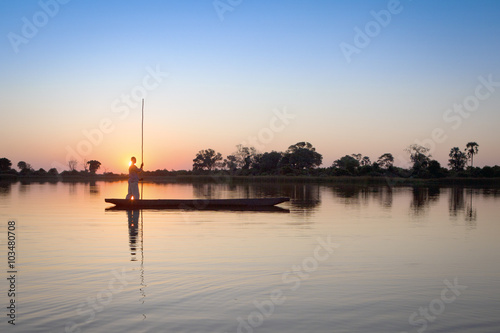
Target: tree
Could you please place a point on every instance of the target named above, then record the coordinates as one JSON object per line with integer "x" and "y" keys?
{"x": 5, "y": 164}
{"x": 23, "y": 166}
{"x": 457, "y": 160}
{"x": 357, "y": 156}
{"x": 435, "y": 169}
{"x": 472, "y": 149}
{"x": 231, "y": 163}
{"x": 268, "y": 162}
{"x": 245, "y": 157}
{"x": 365, "y": 161}
{"x": 348, "y": 163}
{"x": 206, "y": 159}
{"x": 385, "y": 161}
{"x": 302, "y": 155}
{"x": 93, "y": 165}
{"x": 41, "y": 172}
{"x": 72, "y": 164}
{"x": 419, "y": 157}
{"x": 488, "y": 172}
{"x": 53, "y": 172}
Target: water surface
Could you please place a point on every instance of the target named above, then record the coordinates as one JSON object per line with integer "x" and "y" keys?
{"x": 334, "y": 259}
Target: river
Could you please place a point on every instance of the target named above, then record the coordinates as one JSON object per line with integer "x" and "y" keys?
{"x": 333, "y": 259}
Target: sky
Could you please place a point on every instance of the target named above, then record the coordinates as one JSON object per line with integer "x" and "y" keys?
{"x": 348, "y": 76}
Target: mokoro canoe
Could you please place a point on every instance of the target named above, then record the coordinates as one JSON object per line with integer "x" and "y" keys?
{"x": 195, "y": 203}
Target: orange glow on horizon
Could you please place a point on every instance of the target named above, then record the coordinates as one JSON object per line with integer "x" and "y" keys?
{"x": 158, "y": 158}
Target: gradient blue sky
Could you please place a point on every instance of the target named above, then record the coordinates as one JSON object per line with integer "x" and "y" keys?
{"x": 226, "y": 79}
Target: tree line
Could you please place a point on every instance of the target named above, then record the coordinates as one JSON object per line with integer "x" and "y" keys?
{"x": 303, "y": 159}
{"x": 245, "y": 160}
{"x": 25, "y": 169}
{"x": 299, "y": 159}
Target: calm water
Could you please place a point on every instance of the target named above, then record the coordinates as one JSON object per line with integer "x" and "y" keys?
{"x": 335, "y": 259}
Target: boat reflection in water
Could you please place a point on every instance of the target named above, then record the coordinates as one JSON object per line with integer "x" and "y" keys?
{"x": 198, "y": 204}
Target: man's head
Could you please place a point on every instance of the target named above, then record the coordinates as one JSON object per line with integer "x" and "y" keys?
{"x": 133, "y": 160}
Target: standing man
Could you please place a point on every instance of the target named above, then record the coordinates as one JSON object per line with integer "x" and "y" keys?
{"x": 133, "y": 180}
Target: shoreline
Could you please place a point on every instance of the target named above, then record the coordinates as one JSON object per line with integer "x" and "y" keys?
{"x": 224, "y": 178}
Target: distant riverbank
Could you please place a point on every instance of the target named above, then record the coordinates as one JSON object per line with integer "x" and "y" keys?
{"x": 224, "y": 178}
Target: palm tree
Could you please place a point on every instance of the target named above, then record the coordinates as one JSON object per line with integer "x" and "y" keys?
{"x": 472, "y": 149}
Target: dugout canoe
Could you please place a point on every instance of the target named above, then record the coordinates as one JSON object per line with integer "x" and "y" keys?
{"x": 196, "y": 203}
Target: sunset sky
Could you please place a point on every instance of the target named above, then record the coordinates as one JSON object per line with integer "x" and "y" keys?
{"x": 349, "y": 76}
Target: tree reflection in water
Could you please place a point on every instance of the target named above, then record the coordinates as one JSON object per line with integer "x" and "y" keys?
{"x": 422, "y": 198}
{"x": 470, "y": 210}
{"x": 459, "y": 204}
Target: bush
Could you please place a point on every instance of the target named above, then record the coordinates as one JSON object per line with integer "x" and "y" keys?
{"x": 487, "y": 172}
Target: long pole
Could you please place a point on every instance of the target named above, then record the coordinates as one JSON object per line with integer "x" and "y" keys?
{"x": 142, "y": 146}
{"x": 142, "y": 130}
{"x": 142, "y": 214}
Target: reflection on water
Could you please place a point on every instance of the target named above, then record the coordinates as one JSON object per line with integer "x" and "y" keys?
{"x": 72, "y": 188}
{"x": 457, "y": 201}
{"x": 93, "y": 188}
{"x": 202, "y": 270}
{"x": 5, "y": 188}
{"x": 304, "y": 195}
{"x": 355, "y": 195}
{"x": 461, "y": 203}
{"x": 470, "y": 211}
{"x": 201, "y": 190}
{"x": 491, "y": 192}
{"x": 133, "y": 232}
{"x": 423, "y": 197}
{"x": 136, "y": 243}
{"x": 384, "y": 196}
{"x": 24, "y": 187}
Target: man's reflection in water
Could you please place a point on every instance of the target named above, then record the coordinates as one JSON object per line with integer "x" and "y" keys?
{"x": 133, "y": 231}
{"x": 134, "y": 239}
